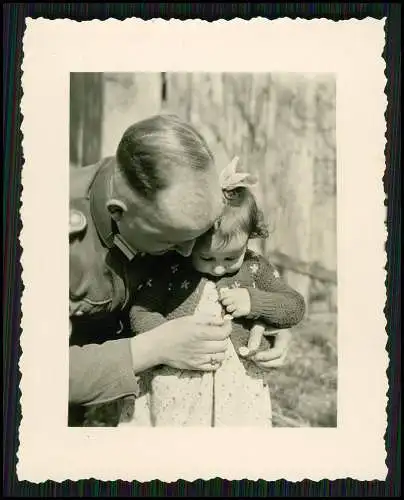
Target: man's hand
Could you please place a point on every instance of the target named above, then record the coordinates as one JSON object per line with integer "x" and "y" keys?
{"x": 191, "y": 343}
{"x": 276, "y": 356}
{"x": 254, "y": 340}
{"x": 236, "y": 301}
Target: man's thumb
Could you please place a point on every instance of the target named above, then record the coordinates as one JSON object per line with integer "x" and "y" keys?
{"x": 254, "y": 341}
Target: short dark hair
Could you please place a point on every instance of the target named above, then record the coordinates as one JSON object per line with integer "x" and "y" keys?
{"x": 148, "y": 149}
{"x": 240, "y": 216}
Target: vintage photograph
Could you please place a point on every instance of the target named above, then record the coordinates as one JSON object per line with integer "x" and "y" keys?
{"x": 218, "y": 218}
{"x": 203, "y": 249}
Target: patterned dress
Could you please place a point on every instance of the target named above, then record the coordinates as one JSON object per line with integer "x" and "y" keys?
{"x": 237, "y": 393}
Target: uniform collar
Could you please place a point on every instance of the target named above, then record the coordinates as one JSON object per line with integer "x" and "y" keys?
{"x": 99, "y": 195}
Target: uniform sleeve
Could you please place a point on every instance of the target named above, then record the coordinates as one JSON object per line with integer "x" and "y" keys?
{"x": 272, "y": 299}
{"x": 101, "y": 373}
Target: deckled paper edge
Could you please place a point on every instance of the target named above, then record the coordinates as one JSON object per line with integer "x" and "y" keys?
{"x": 25, "y": 460}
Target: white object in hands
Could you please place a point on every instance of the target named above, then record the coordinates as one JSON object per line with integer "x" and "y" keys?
{"x": 209, "y": 305}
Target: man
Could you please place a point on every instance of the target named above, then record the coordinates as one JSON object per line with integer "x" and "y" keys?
{"x": 159, "y": 193}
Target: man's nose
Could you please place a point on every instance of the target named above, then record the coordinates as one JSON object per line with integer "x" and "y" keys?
{"x": 185, "y": 249}
{"x": 219, "y": 270}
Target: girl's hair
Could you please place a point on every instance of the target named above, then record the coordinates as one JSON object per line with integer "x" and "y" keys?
{"x": 241, "y": 216}
{"x": 149, "y": 148}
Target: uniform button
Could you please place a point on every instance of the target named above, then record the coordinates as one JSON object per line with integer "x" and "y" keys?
{"x": 77, "y": 221}
{"x": 75, "y": 218}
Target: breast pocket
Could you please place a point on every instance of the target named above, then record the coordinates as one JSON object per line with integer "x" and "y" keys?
{"x": 87, "y": 306}
{"x": 92, "y": 294}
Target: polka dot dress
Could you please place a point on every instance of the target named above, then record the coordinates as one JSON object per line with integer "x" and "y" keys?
{"x": 234, "y": 395}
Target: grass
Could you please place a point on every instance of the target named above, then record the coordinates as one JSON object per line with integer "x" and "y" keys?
{"x": 304, "y": 391}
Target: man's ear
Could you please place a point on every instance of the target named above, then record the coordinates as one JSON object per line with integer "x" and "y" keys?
{"x": 116, "y": 208}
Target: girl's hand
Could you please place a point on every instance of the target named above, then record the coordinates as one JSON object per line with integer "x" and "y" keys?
{"x": 236, "y": 301}
{"x": 276, "y": 356}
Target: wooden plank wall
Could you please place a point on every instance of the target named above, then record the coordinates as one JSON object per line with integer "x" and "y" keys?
{"x": 282, "y": 126}
{"x": 129, "y": 97}
{"x": 86, "y": 117}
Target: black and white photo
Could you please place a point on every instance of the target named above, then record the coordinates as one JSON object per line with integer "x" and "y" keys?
{"x": 255, "y": 155}
{"x": 203, "y": 250}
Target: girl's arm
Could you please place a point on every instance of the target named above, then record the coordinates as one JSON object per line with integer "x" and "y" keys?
{"x": 272, "y": 299}
{"x": 148, "y": 309}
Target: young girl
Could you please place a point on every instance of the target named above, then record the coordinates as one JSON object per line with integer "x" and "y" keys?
{"x": 222, "y": 277}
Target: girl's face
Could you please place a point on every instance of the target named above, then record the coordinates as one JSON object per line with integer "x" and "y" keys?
{"x": 217, "y": 262}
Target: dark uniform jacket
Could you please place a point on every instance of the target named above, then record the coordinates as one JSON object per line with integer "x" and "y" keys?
{"x": 104, "y": 273}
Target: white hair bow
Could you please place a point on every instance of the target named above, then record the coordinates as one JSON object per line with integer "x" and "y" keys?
{"x": 230, "y": 179}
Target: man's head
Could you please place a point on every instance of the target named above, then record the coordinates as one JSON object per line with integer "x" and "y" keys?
{"x": 165, "y": 191}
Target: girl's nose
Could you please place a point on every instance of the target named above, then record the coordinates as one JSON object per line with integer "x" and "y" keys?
{"x": 219, "y": 270}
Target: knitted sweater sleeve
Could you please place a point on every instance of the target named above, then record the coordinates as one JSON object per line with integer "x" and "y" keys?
{"x": 148, "y": 311}
{"x": 273, "y": 300}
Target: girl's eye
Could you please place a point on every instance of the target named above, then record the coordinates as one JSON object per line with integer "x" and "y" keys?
{"x": 206, "y": 259}
{"x": 230, "y": 259}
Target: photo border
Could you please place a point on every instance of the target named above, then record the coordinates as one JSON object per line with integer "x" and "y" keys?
{"x": 13, "y": 157}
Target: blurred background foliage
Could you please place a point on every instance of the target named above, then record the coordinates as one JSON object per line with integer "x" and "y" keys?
{"x": 282, "y": 126}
